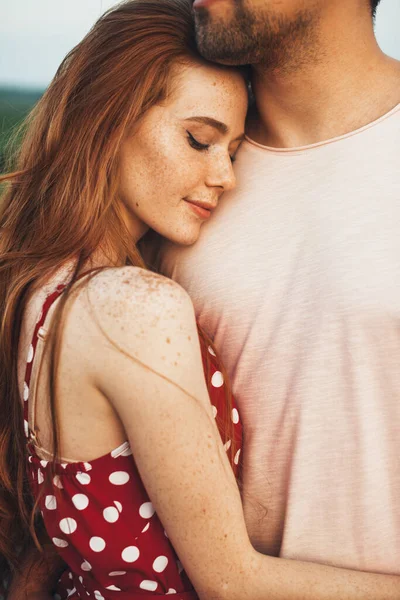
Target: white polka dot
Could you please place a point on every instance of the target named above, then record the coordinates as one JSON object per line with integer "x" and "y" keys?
{"x": 113, "y": 588}
{"x": 50, "y": 503}
{"x": 44, "y": 463}
{"x": 146, "y": 511}
{"x": 148, "y": 585}
{"x": 26, "y": 428}
{"x": 214, "y": 411}
{"x": 80, "y": 501}
{"x": 80, "y": 579}
{"x": 179, "y": 565}
{"x": 111, "y": 514}
{"x": 130, "y": 554}
{"x": 171, "y": 591}
{"x": 119, "y": 478}
{"x": 146, "y": 528}
{"x": 68, "y": 525}
{"x": 166, "y": 534}
{"x": 42, "y": 333}
{"x": 228, "y": 445}
{"x": 235, "y": 416}
{"x": 117, "y": 451}
{"x": 97, "y": 544}
{"x": 83, "y": 478}
{"x": 217, "y": 380}
{"x": 26, "y": 391}
{"x": 116, "y": 573}
{"x": 60, "y": 543}
{"x": 70, "y": 592}
{"x": 86, "y": 566}
{"x": 30, "y": 354}
{"x": 98, "y": 595}
{"x": 70, "y": 575}
{"x": 87, "y": 466}
{"x": 57, "y": 482}
{"x": 211, "y": 351}
{"x": 160, "y": 564}
{"x": 30, "y": 458}
{"x": 40, "y": 477}
{"x": 118, "y": 505}
{"x": 64, "y": 465}
{"x": 127, "y": 452}
{"x": 236, "y": 459}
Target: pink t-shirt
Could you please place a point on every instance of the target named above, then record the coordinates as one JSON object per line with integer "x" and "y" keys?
{"x": 297, "y": 279}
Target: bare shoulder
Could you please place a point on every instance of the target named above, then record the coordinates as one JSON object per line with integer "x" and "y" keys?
{"x": 120, "y": 291}
{"x": 145, "y": 314}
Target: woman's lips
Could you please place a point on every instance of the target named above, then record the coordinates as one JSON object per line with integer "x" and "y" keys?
{"x": 200, "y": 211}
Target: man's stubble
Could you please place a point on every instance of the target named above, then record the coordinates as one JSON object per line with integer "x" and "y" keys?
{"x": 262, "y": 37}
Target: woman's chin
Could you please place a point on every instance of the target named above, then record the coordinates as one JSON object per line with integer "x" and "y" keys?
{"x": 186, "y": 237}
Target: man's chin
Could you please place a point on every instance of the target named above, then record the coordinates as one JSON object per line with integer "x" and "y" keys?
{"x": 222, "y": 60}
{"x": 222, "y": 40}
{"x": 223, "y": 54}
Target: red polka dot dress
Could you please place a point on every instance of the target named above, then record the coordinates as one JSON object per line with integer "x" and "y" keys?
{"x": 98, "y": 513}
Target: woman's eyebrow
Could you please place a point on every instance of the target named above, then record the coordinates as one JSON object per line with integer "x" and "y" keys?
{"x": 218, "y": 125}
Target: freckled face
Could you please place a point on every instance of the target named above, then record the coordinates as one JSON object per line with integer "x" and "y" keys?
{"x": 177, "y": 164}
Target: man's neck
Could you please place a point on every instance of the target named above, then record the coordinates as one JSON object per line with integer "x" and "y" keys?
{"x": 347, "y": 84}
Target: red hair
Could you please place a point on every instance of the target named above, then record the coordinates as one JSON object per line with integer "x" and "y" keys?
{"x": 60, "y": 202}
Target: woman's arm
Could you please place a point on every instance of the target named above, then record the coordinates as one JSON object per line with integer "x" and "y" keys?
{"x": 143, "y": 354}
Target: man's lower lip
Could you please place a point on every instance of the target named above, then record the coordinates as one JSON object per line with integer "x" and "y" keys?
{"x": 200, "y": 211}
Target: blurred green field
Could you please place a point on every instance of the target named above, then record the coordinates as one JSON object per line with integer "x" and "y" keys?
{"x": 14, "y": 106}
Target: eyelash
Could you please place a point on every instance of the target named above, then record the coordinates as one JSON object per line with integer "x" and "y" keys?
{"x": 195, "y": 144}
{"x": 201, "y": 147}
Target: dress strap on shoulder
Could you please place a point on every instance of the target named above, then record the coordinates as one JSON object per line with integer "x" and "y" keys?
{"x": 39, "y": 335}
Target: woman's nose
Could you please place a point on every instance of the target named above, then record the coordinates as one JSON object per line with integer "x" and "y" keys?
{"x": 221, "y": 174}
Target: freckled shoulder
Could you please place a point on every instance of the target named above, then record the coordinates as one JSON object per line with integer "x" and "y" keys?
{"x": 121, "y": 292}
{"x": 132, "y": 287}
{"x": 135, "y": 307}
{"x": 147, "y": 316}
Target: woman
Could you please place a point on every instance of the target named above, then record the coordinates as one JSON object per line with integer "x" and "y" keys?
{"x": 108, "y": 408}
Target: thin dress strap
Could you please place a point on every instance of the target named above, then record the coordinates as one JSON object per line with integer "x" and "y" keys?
{"x": 39, "y": 333}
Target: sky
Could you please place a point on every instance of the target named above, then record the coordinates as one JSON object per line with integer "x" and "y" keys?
{"x": 35, "y": 35}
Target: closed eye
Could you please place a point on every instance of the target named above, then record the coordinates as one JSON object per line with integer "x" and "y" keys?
{"x": 202, "y": 147}
{"x": 195, "y": 143}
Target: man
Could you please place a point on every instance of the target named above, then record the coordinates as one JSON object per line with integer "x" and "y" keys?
{"x": 297, "y": 277}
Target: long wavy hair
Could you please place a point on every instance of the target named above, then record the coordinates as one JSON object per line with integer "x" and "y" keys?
{"x": 60, "y": 202}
